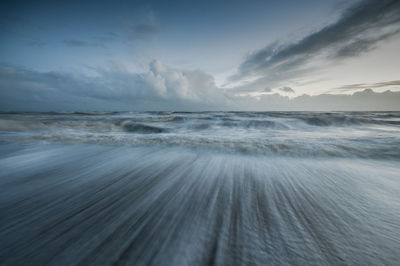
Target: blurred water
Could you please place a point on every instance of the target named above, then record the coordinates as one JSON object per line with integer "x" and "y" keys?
{"x": 199, "y": 188}
{"x": 340, "y": 134}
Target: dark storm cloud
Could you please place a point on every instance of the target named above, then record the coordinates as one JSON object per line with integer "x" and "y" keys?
{"x": 360, "y": 28}
{"x": 287, "y": 89}
{"x": 360, "y": 45}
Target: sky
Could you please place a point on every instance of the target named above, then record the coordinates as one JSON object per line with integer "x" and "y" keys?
{"x": 199, "y": 55}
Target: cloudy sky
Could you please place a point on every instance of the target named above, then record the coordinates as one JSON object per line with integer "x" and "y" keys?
{"x": 200, "y": 55}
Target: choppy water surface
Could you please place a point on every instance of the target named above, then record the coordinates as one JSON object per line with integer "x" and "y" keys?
{"x": 214, "y": 188}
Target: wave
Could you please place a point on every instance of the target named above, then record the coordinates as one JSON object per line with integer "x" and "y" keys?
{"x": 141, "y": 128}
{"x": 364, "y": 135}
{"x": 345, "y": 120}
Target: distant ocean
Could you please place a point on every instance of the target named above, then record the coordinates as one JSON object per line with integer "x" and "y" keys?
{"x": 202, "y": 188}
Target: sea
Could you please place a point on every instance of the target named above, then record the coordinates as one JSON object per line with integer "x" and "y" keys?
{"x": 199, "y": 188}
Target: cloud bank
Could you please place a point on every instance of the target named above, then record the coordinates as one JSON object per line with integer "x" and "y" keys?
{"x": 114, "y": 88}
{"x": 358, "y": 86}
{"x": 160, "y": 88}
{"x": 366, "y": 100}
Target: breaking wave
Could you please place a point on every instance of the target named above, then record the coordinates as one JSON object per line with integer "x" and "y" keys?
{"x": 338, "y": 134}
{"x": 141, "y": 128}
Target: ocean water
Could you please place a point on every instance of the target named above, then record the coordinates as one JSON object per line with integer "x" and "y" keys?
{"x": 208, "y": 188}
